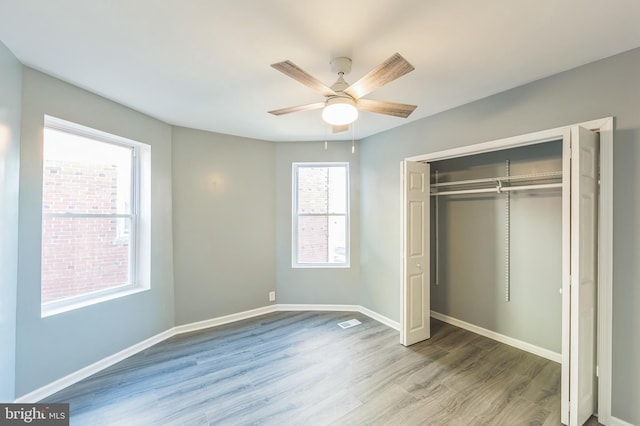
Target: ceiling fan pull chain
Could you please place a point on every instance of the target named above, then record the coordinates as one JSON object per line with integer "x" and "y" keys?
{"x": 326, "y": 144}
{"x": 353, "y": 139}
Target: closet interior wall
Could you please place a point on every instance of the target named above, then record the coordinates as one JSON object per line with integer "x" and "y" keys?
{"x": 483, "y": 247}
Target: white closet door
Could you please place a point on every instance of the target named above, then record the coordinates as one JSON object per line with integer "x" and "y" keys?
{"x": 416, "y": 298}
{"x": 584, "y": 208}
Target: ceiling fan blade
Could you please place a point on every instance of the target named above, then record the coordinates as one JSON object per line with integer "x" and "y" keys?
{"x": 340, "y": 128}
{"x": 388, "y": 108}
{"x": 289, "y": 110}
{"x": 292, "y": 70}
{"x": 394, "y": 67}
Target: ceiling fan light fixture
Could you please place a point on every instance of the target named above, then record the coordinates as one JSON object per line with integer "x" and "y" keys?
{"x": 340, "y": 110}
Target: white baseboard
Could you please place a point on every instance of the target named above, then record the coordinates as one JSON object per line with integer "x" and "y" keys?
{"x": 536, "y": 350}
{"x": 316, "y": 307}
{"x": 341, "y": 308}
{"x": 614, "y": 421}
{"x": 83, "y": 373}
{"x": 380, "y": 318}
{"x": 214, "y": 322}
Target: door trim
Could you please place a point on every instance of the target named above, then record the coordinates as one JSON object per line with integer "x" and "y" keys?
{"x": 605, "y": 233}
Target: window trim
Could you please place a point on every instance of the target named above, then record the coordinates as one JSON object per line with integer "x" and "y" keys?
{"x": 294, "y": 216}
{"x": 139, "y": 265}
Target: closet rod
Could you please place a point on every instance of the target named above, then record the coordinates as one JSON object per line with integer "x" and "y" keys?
{"x": 548, "y": 175}
{"x": 499, "y": 189}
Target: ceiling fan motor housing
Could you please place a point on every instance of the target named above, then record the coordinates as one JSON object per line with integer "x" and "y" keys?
{"x": 341, "y": 65}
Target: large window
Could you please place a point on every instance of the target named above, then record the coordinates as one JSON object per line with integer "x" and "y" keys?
{"x": 90, "y": 216}
{"x": 320, "y": 215}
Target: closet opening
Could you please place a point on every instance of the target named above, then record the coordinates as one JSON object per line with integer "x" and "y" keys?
{"x": 513, "y": 238}
{"x": 496, "y": 244}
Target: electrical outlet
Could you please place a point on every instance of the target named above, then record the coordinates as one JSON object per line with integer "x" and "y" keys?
{"x": 272, "y": 296}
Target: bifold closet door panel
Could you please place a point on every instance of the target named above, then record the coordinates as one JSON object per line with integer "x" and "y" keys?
{"x": 416, "y": 293}
{"x": 584, "y": 217}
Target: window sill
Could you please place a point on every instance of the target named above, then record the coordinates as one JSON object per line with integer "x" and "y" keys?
{"x": 55, "y": 308}
{"x": 327, "y": 266}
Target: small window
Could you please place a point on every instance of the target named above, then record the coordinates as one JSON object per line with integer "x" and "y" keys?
{"x": 320, "y": 215}
{"x": 90, "y": 216}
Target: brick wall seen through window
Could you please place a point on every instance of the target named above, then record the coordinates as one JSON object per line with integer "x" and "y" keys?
{"x": 321, "y": 214}
{"x": 87, "y": 216}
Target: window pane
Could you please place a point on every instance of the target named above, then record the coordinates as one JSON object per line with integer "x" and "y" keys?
{"x": 337, "y": 239}
{"x": 83, "y": 175}
{"x": 313, "y": 246}
{"x": 321, "y": 214}
{"x": 81, "y": 255}
{"x": 322, "y": 239}
{"x": 85, "y": 178}
{"x": 337, "y": 190}
{"x": 313, "y": 190}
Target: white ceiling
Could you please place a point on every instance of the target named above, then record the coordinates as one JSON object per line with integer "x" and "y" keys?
{"x": 205, "y": 63}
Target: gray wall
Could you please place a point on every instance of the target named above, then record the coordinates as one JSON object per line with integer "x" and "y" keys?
{"x": 472, "y": 248}
{"x": 315, "y": 285}
{"x": 52, "y": 347}
{"x": 610, "y": 87}
{"x": 224, "y": 235}
{"x": 10, "y": 100}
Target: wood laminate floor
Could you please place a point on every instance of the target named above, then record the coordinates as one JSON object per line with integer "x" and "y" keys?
{"x": 300, "y": 368}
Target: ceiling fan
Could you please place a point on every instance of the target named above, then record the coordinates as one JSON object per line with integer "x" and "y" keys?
{"x": 343, "y": 101}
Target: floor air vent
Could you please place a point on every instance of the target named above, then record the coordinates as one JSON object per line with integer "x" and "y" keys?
{"x": 350, "y": 323}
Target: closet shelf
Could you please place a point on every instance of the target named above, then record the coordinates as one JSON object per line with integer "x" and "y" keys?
{"x": 498, "y": 186}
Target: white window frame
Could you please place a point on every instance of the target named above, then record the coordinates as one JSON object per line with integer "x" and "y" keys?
{"x": 139, "y": 252}
{"x": 295, "y": 215}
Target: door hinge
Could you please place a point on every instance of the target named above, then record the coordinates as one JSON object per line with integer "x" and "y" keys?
{"x": 597, "y": 371}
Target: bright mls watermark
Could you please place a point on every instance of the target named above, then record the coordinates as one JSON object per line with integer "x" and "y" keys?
{"x": 34, "y": 414}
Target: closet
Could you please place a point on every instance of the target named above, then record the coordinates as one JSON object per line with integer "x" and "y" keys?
{"x": 496, "y": 243}
{"x": 512, "y": 239}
